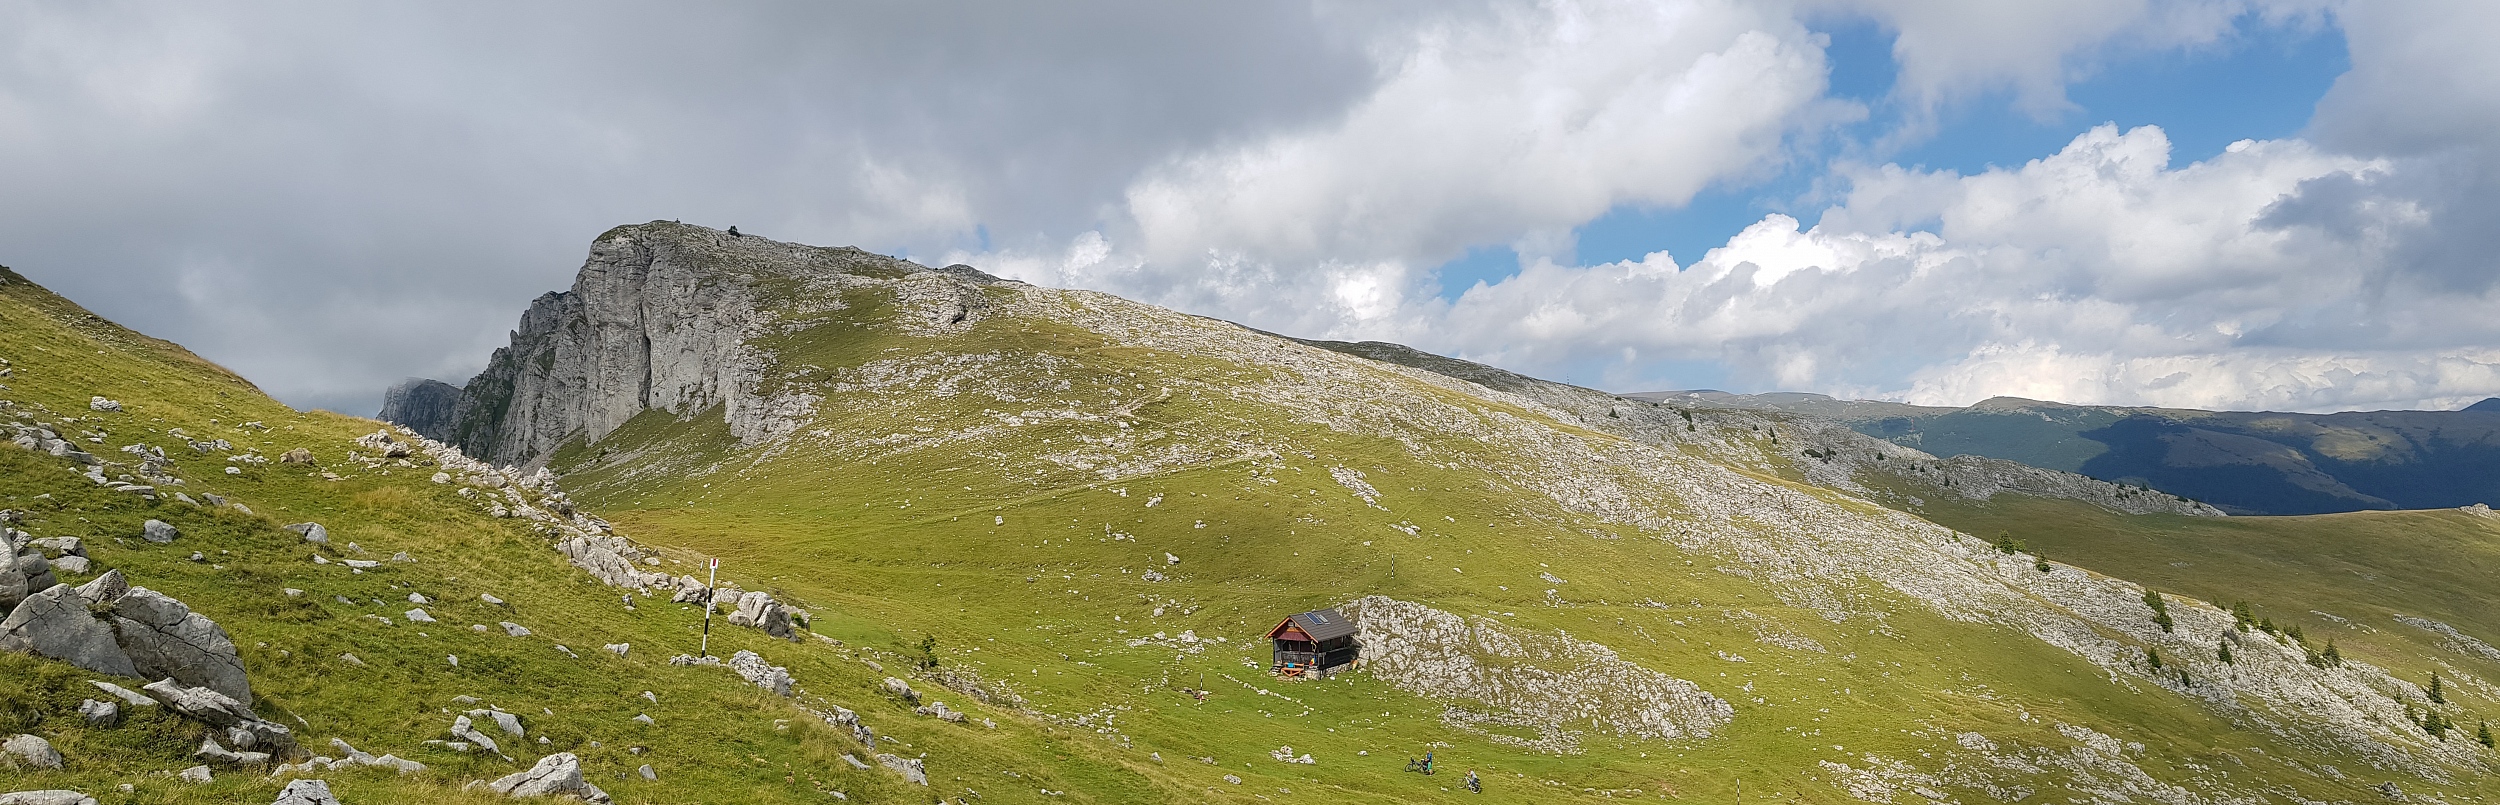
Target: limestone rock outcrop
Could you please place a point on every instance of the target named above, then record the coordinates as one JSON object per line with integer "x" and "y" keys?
{"x": 55, "y": 624}
{"x": 238, "y": 724}
{"x": 428, "y": 407}
{"x": 658, "y": 318}
{"x": 110, "y": 627}
{"x": 556, "y": 775}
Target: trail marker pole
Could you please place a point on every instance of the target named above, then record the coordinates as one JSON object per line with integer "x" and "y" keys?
{"x": 708, "y": 584}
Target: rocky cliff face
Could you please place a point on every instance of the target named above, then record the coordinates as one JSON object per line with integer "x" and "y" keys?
{"x": 661, "y": 317}
{"x": 421, "y": 405}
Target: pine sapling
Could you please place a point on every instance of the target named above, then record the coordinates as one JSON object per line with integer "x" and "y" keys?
{"x": 2161, "y": 610}
{"x": 2436, "y": 695}
{"x": 2225, "y": 653}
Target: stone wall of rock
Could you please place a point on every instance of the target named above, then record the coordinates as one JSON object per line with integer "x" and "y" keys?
{"x": 428, "y": 407}
{"x": 661, "y": 316}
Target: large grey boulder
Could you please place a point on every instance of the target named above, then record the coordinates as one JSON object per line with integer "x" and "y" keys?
{"x": 556, "y": 775}
{"x": 759, "y": 610}
{"x": 55, "y": 624}
{"x": 166, "y": 639}
{"x": 54, "y": 796}
{"x": 754, "y": 669}
{"x": 30, "y": 751}
{"x": 313, "y": 532}
{"x": 306, "y": 792}
{"x": 158, "y": 531}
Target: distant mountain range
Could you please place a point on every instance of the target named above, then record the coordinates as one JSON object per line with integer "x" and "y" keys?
{"x": 2241, "y": 462}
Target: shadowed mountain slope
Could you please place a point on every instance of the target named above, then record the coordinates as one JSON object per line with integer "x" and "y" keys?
{"x": 2242, "y": 462}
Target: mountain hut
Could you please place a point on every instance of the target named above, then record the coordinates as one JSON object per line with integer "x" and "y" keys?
{"x": 1314, "y": 644}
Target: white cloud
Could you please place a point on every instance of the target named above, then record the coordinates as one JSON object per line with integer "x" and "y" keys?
{"x": 1531, "y": 118}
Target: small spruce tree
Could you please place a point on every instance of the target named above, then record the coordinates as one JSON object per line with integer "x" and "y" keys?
{"x": 2041, "y": 562}
{"x": 2333, "y": 658}
{"x": 2482, "y": 734}
{"x": 2152, "y": 657}
{"x": 2437, "y": 696}
{"x": 928, "y": 652}
{"x": 2006, "y": 544}
{"x": 2225, "y": 654}
{"x": 2161, "y": 610}
{"x": 2241, "y": 616}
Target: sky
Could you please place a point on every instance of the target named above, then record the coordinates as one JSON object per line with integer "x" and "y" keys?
{"x": 2225, "y": 204}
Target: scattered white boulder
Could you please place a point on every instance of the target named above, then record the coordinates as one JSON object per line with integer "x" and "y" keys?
{"x": 770, "y": 677}
{"x": 197, "y": 774}
{"x": 514, "y": 629}
{"x": 158, "y": 531}
{"x": 54, "y": 796}
{"x": 418, "y": 616}
{"x": 466, "y": 730}
{"x": 559, "y": 774}
{"x": 313, "y": 532}
{"x": 910, "y": 767}
{"x": 100, "y": 713}
{"x": 509, "y": 723}
{"x": 306, "y": 792}
{"x": 30, "y": 751}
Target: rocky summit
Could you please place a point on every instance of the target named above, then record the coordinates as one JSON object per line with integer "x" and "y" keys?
{"x": 983, "y": 541}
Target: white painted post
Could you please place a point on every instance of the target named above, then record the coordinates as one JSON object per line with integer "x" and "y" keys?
{"x": 708, "y": 585}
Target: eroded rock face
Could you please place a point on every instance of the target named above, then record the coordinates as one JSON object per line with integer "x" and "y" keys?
{"x": 166, "y": 639}
{"x": 428, "y": 407}
{"x": 55, "y": 623}
{"x": 658, "y": 319}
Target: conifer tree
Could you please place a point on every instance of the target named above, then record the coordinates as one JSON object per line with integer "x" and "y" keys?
{"x": 2241, "y": 616}
{"x": 2437, "y": 697}
{"x": 2482, "y": 734}
{"x": 2225, "y": 654}
{"x": 2161, "y": 611}
{"x": 2152, "y": 656}
{"x": 2333, "y": 659}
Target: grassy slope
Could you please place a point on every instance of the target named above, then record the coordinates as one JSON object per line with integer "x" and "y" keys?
{"x": 2362, "y": 567}
{"x": 714, "y": 735}
{"x": 1017, "y": 566}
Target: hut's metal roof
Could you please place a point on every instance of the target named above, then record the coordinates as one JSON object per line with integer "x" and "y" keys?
{"x": 1321, "y": 624}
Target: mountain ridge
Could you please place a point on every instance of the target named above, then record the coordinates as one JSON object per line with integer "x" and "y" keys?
{"x": 2254, "y": 462}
